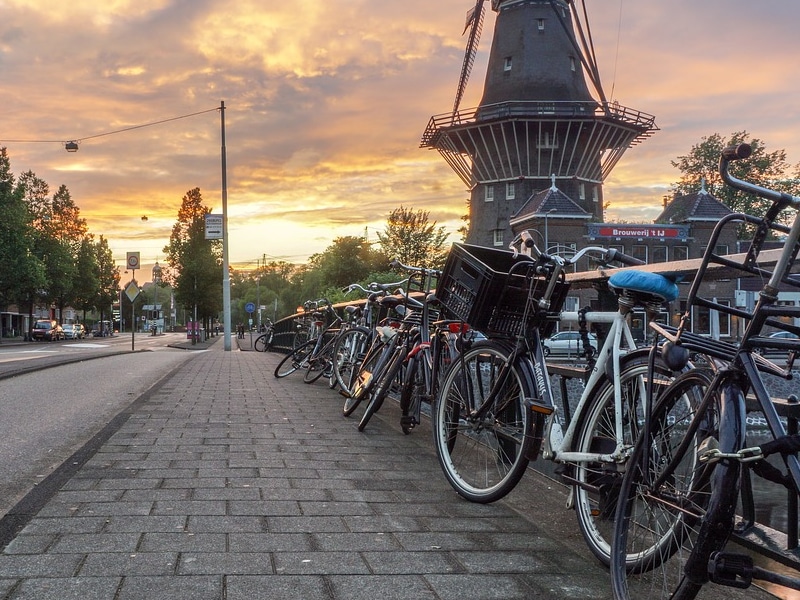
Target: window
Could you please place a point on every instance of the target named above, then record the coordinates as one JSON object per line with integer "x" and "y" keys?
{"x": 680, "y": 253}
{"x": 659, "y": 254}
{"x": 582, "y": 191}
{"x": 498, "y": 237}
{"x": 511, "y": 191}
{"x": 639, "y": 251}
{"x": 703, "y": 320}
{"x": 488, "y": 193}
{"x": 721, "y": 249}
{"x": 540, "y": 24}
{"x": 507, "y": 63}
{"x": 572, "y": 65}
{"x": 595, "y": 197}
{"x": 571, "y": 304}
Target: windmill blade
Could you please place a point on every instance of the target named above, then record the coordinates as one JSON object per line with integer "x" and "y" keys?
{"x": 474, "y": 24}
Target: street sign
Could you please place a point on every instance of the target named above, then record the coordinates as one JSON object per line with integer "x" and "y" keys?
{"x": 213, "y": 227}
{"x": 131, "y": 291}
{"x": 250, "y": 307}
{"x": 132, "y": 260}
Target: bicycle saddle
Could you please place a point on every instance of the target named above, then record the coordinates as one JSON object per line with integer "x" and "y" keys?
{"x": 643, "y": 282}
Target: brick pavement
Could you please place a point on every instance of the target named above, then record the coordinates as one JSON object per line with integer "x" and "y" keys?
{"x": 225, "y": 483}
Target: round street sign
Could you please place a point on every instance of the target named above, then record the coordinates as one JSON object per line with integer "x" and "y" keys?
{"x": 250, "y": 307}
{"x": 132, "y": 260}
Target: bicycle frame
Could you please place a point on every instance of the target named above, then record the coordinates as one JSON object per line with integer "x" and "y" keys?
{"x": 618, "y": 342}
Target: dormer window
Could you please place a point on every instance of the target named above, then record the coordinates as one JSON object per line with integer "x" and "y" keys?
{"x": 507, "y": 64}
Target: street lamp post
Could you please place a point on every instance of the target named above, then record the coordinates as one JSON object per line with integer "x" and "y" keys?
{"x": 156, "y": 281}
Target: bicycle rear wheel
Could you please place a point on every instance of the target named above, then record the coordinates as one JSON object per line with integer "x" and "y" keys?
{"x": 294, "y": 360}
{"x": 483, "y": 459}
{"x": 667, "y": 496}
{"x": 596, "y": 490}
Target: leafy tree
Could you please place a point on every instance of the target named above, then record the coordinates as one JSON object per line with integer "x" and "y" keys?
{"x": 22, "y": 273}
{"x": 767, "y": 169}
{"x": 411, "y": 239}
{"x": 87, "y": 282}
{"x": 106, "y": 273}
{"x": 195, "y": 264}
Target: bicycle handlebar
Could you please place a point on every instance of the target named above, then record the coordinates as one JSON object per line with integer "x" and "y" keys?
{"x": 607, "y": 255}
{"x": 398, "y": 265}
{"x": 740, "y": 152}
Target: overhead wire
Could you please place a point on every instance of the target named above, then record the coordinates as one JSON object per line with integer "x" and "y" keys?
{"x": 124, "y": 129}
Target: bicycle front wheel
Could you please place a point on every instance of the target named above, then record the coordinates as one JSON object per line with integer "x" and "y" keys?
{"x": 665, "y": 495}
{"x": 383, "y": 384}
{"x": 483, "y": 457}
{"x": 294, "y": 360}
{"x": 348, "y": 353}
{"x": 596, "y": 491}
{"x": 412, "y": 393}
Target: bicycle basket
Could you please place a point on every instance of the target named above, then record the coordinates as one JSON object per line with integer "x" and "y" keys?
{"x": 476, "y": 287}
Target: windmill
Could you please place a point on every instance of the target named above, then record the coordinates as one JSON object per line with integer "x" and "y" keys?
{"x": 543, "y": 118}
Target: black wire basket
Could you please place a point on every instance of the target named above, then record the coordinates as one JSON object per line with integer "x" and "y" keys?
{"x": 497, "y": 292}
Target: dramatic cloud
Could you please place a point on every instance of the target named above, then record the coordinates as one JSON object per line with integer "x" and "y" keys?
{"x": 326, "y": 102}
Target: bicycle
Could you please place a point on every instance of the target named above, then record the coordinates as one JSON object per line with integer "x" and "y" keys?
{"x": 381, "y": 367}
{"x": 495, "y": 411}
{"x": 312, "y": 355}
{"x": 678, "y": 499}
{"x": 431, "y": 348}
{"x": 263, "y": 342}
{"x": 352, "y": 345}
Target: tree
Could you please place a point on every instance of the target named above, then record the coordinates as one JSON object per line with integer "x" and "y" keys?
{"x": 107, "y": 276}
{"x": 767, "y": 169}
{"x": 411, "y": 239}
{"x": 195, "y": 264}
{"x": 22, "y": 273}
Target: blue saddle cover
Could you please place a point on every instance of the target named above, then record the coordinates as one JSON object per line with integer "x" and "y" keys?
{"x": 642, "y": 281}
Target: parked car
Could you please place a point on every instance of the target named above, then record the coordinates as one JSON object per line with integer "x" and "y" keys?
{"x": 567, "y": 343}
{"x": 47, "y": 330}
{"x": 73, "y": 331}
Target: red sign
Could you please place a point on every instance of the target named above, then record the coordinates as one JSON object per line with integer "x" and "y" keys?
{"x": 639, "y": 231}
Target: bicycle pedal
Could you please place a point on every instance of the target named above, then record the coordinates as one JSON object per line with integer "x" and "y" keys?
{"x": 732, "y": 570}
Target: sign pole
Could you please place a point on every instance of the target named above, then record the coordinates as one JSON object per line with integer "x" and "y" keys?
{"x": 133, "y": 317}
{"x": 132, "y": 291}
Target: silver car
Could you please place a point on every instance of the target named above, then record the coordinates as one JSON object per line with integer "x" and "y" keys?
{"x": 567, "y": 343}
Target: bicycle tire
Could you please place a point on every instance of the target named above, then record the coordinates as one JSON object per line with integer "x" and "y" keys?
{"x": 364, "y": 377}
{"x": 482, "y": 461}
{"x": 264, "y": 341}
{"x": 294, "y": 360}
{"x": 314, "y": 369}
{"x": 597, "y": 491}
{"x": 657, "y": 527}
{"x": 300, "y": 338}
{"x": 383, "y": 384}
{"x": 349, "y": 351}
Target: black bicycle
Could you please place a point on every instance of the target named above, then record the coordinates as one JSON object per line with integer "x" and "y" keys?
{"x": 678, "y": 499}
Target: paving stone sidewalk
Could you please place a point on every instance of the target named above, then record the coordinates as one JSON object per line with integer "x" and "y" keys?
{"x": 225, "y": 483}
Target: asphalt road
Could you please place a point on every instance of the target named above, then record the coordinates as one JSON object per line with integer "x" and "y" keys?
{"x": 49, "y": 413}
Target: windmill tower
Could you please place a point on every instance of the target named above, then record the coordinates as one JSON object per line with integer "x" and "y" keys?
{"x": 538, "y": 123}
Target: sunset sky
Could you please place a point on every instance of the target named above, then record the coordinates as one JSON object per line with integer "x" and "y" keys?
{"x": 327, "y": 99}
